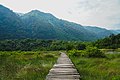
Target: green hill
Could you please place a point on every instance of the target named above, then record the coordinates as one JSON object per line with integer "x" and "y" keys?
{"x": 40, "y": 25}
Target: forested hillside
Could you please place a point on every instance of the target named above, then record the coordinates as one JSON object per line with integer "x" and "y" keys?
{"x": 40, "y": 25}
{"x": 100, "y": 32}
{"x": 11, "y": 26}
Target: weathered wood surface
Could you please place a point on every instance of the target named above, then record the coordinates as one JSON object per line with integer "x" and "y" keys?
{"x": 63, "y": 70}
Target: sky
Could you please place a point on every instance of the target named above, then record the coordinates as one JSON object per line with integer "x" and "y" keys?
{"x": 100, "y": 13}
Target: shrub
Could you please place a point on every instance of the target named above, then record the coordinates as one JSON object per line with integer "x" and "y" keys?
{"x": 76, "y": 53}
{"x": 88, "y": 52}
{"x": 80, "y": 46}
{"x": 94, "y": 52}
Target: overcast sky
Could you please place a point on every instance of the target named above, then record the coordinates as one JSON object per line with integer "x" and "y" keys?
{"x": 102, "y": 13}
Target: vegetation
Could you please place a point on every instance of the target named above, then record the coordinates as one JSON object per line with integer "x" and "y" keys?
{"x": 88, "y": 52}
{"x": 111, "y": 42}
{"x": 36, "y": 45}
{"x": 25, "y": 59}
{"x": 98, "y": 68}
{"x": 94, "y": 63}
{"x": 29, "y": 65}
{"x": 32, "y": 58}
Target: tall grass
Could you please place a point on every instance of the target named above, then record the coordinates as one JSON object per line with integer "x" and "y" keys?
{"x": 98, "y": 68}
{"x": 19, "y": 65}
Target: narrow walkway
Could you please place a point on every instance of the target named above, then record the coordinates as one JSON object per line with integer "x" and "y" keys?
{"x": 63, "y": 70}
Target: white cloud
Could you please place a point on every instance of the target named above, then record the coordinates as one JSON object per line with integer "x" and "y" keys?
{"x": 104, "y": 13}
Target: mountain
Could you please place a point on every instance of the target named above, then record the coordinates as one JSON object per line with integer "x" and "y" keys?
{"x": 46, "y": 26}
{"x": 10, "y": 24}
{"x": 100, "y": 32}
{"x": 40, "y": 25}
{"x": 115, "y": 31}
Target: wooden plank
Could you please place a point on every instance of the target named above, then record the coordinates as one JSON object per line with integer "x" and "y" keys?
{"x": 63, "y": 70}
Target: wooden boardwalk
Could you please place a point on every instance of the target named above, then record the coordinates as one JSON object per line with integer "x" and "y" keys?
{"x": 63, "y": 70}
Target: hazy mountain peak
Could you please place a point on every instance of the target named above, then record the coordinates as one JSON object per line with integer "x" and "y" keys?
{"x": 39, "y": 12}
{"x": 36, "y": 11}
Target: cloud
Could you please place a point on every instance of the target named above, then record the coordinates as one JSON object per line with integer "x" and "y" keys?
{"x": 104, "y": 13}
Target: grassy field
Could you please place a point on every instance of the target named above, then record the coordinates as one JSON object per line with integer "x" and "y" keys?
{"x": 98, "y": 68}
{"x": 20, "y": 65}
{"x": 30, "y": 65}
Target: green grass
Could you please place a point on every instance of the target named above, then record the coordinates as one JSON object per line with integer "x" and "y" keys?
{"x": 98, "y": 68}
{"x": 20, "y": 65}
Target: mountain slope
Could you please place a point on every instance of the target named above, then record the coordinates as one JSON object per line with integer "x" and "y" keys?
{"x": 115, "y": 31}
{"x": 10, "y": 24}
{"x": 40, "y": 25}
{"x": 100, "y": 32}
{"x": 50, "y": 27}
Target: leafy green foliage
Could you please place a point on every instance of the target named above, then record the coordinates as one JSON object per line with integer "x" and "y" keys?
{"x": 88, "y": 52}
{"x": 36, "y": 44}
{"x": 94, "y": 52}
{"x": 76, "y": 53}
{"x": 111, "y": 42}
{"x": 80, "y": 46}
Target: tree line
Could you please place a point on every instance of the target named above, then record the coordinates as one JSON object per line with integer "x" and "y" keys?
{"x": 111, "y": 42}
{"x": 37, "y": 44}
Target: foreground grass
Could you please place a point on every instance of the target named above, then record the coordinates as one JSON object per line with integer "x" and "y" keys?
{"x": 98, "y": 68}
{"x": 17, "y": 65}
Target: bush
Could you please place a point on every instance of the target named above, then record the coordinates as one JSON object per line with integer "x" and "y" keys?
{"x": 76, "y": 53}
{"x": 88, "y": 52}
{"x": 80, "y": 46}
{"x": 94, "y": 52}
{"x": 69, "y": 47}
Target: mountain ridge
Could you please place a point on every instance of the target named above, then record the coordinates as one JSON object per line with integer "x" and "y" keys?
{"x": 39, "y": 25}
